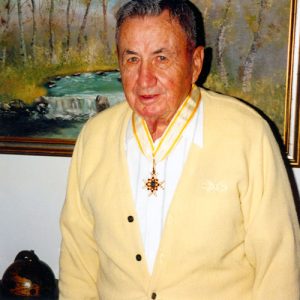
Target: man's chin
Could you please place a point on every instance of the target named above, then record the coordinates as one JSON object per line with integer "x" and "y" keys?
{"x": 147, "y": 113}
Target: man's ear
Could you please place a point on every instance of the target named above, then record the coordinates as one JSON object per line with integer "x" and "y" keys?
{"x": 198, "y": 57}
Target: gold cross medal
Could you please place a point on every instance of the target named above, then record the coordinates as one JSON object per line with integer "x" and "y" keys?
{"x": 152, "y": 184}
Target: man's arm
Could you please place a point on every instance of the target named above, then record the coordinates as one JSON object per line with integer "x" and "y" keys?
{"x": 272, "y": 229}
{"x": 78, "y": 258}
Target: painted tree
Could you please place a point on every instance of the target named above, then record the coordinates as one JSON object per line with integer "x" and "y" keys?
{"x": 104, "y": 33}
{"x": 221, "y": 44}
{"x": 51, "y": 33}
{"x": 68, "y": 40}
{"x": 43, "y": 16}
{"x": 83, "y": 25}
{"x": 22, "y": 44}
{"x": 249, "y": 63}
{"x": 34, "y": 30}
{"x": 5, "y": 21}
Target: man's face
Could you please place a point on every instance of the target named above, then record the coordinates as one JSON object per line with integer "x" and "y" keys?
{"x": 156, "y": 65}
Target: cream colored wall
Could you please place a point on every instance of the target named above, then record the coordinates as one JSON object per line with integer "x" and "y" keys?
{"x": 32, "y": 191}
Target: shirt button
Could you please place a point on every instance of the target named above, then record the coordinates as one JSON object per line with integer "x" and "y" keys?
{"x": 138, "y": 257}
{"x": 130, "y": 219}
{"x": 153, "y": 296}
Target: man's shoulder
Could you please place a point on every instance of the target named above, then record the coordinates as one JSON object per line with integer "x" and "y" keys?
{"x": 223, "y": 107}
{"x": 106, "y": 125}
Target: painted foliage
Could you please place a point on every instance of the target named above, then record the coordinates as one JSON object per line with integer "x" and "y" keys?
{"x": 250, "y": 45}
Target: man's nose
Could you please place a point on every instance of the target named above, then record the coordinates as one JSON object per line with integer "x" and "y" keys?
{"x": 146, "y": 76}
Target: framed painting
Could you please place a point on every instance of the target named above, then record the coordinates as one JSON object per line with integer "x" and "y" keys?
{"x": 58, "y": 67}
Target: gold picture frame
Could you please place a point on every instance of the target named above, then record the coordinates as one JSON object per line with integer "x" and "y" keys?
{"x": 292, "y": 100}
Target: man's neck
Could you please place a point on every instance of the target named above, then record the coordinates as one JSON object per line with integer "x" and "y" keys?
{"x": 157, "y": 127}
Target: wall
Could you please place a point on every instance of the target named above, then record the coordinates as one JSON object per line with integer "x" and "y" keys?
{"x": 32, "y": 191}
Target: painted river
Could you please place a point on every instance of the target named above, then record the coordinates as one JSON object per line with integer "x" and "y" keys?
{"x": 88, "y": 85}
{"x": 70, "y": 101}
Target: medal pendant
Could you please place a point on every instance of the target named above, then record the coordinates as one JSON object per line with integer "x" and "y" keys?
{"x": 152, "y": 184}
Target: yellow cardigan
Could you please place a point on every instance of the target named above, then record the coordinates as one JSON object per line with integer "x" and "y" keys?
{"x": 231, "y": 232}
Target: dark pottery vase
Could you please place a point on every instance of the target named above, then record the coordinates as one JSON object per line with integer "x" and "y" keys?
{"x": 28, "y": 276}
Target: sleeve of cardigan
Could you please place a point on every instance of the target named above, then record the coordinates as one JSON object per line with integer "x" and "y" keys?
{"x": 78, "y": 256}
{"x": 272, "y": 229}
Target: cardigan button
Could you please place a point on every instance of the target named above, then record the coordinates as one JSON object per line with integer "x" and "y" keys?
{"x": 130, "y": 219}
{"x": 138, "y": 257}
{"x": 153, "y": 296}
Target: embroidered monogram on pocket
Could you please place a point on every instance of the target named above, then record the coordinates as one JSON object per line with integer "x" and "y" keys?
{"x": 211, "y": 186}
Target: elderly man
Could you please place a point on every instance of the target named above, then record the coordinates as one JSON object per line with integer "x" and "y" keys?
{"x": 177, "y": 193}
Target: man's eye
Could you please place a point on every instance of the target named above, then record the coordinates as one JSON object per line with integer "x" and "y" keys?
{"x": 132, "y": 59}
{"x": 162, "y": 58}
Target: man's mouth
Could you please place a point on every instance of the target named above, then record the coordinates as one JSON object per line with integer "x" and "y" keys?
{"x": 149, "y": 97}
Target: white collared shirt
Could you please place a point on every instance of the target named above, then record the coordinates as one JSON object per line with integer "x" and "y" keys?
{"x": 152, "y": 210}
